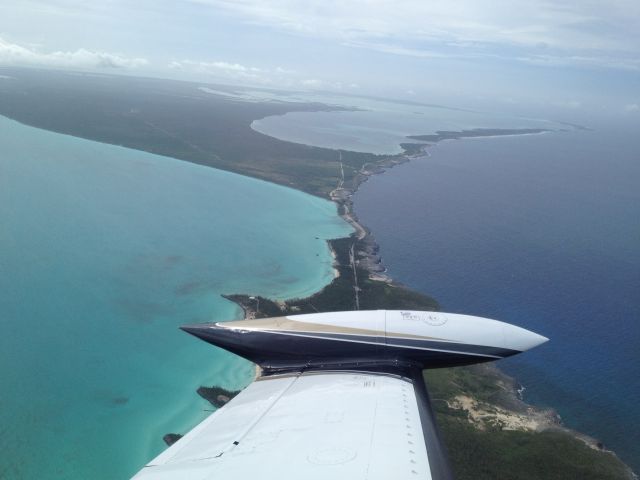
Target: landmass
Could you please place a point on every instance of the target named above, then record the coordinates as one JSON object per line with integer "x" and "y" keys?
{"x": 217, "y": 396}
{"x": 476, "y": 132}
{"x": 426, "y": 140}
{"x": 490, "y": 433}
{"x": 171, "y": 438}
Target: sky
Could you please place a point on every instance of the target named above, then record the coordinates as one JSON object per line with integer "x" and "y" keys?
{"x": 572, "y": 55}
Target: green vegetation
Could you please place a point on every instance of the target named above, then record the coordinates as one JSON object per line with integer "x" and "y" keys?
{"x": 492, "y": 452}
{"x": 517, "y": 455}
{"x": 485, "y": 383}
{"x": 179, "y": 120}
{"x": 176, "y": 119}
{"x": 217, "y": 396}
{"x": 475, "y": 132}
{"x": 171, "y": 438}
{"x": 417, "y": 148}
{"x": 340, "y": 295}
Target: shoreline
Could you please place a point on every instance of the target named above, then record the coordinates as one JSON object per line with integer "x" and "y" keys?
{"x": 217, "y": 149}
{"x": 511, "y": 412}
{"x": 343, "y": 196}
{"x": 521, "y": 414}
{"x": 518, "y": 414}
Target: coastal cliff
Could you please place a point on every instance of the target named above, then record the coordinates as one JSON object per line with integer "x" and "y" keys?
{"x": 488, "y": 431}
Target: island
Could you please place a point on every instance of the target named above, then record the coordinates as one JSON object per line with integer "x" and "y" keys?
{"x": 489, "y": 431}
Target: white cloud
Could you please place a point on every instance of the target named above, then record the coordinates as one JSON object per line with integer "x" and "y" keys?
{"x": 316, "y": 83}
{"x": 14, "y": 54}
{"x": 627, "y": 63}
{"x": 231, "y": 67}
{"x": 399, "y": 50}
{"x": 312, "y": 82}
{"x": 573, "y": 104}
{"x": 589, "y": 29}
{"x": 276, "y": 77}
{"x": 232, "y": 71}
{"x": 632, "y": 107}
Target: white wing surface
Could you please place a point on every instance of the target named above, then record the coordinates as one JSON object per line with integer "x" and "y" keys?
{"x": 360, "y": 410}
{"x": 324, "y": 426}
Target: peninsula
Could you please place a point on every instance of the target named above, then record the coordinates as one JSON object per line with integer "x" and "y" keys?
{"x": 490, "y": 432}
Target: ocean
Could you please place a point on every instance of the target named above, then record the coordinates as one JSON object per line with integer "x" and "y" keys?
{"x": 542, "y": 231}
{"x": 104, "y": 252}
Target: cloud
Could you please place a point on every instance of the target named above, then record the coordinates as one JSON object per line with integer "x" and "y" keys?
{"x": 632, "y": 107}
{"x": 620, "y": 63}
{"x": 585, "y": 33}
{"x": 312, "y": 82}
{"x": 237, "y": 73}
{"x": 400, "y": 50}
{"x": 275, "y": 77}
{"x": 14, "y": 54}
{"x": 317, "y": 84}
{"x": 233, "y": 71}
{"x": 572, "y": 104}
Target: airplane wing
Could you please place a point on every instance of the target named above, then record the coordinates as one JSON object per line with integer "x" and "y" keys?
{"x": 341, "y": 425}
{"x": 342, "y": 397}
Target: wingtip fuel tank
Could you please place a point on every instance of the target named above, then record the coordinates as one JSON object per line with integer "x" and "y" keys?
{"x": 376, "y": 339}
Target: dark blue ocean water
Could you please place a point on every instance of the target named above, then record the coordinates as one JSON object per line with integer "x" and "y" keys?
{"x": 542, "y": 231}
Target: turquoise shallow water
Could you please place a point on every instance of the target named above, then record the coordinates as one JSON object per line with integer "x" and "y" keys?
{"x": 104, "y": 252}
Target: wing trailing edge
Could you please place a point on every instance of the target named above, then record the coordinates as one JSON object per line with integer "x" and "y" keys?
{"x": 314, "y": 426}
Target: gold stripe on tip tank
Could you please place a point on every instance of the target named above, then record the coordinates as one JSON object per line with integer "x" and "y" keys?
{"x": 284, "y": 323}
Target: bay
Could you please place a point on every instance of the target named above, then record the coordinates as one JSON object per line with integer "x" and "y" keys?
{"x": 380, "y": 126}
